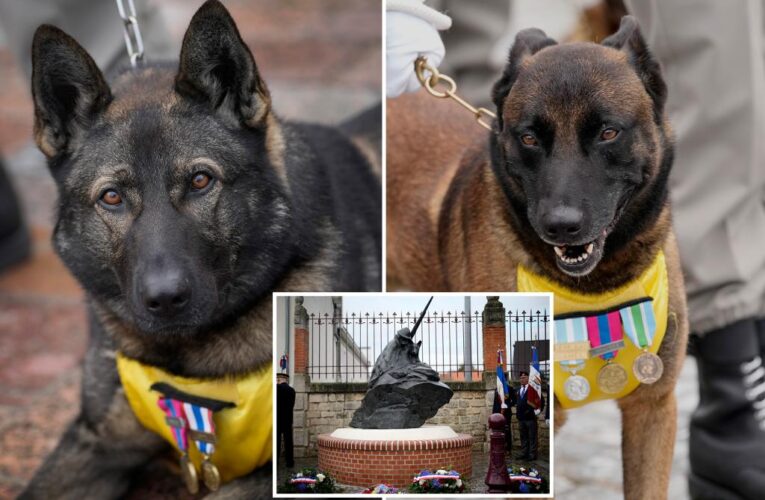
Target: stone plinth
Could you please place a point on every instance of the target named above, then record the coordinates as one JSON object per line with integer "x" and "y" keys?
{"x": 367, "y": 457}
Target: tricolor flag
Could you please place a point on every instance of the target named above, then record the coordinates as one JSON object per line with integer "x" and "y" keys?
{"x": 502, "y": 388}
{"x": 535, "y": 382}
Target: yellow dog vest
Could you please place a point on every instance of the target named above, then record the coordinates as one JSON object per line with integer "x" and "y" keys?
{"x": 243, "y": 433}
{"x": 652, "y": 283}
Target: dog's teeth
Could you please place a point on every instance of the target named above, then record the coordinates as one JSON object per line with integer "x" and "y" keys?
{"x": 561, "y": 251}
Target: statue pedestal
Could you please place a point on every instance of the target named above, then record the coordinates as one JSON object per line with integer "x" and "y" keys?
{"x": 367, "y": 457}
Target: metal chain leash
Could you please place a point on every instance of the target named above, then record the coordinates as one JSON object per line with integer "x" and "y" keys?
{"x": 435, "y": 78}
{"x": 133, "y": 39}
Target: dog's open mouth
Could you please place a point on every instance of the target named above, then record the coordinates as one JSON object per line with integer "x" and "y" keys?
{"x": 578, "y": 260}
{"x": 575, "y": 254}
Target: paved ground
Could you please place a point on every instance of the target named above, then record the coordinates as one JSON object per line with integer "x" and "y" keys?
{"x": 322, "y": 64}
{"x": 588, "y": 453}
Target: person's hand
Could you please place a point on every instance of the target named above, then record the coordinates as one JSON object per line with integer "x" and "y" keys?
{"x": 411, "y": 33}
{"x": 537, "y": 412}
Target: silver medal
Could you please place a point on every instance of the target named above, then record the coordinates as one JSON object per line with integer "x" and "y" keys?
{"x": 577, "y": 388}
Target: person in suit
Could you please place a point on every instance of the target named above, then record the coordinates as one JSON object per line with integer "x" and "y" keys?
{"x": 527, "y": 419}
{"x": 285, "y": 403}
{"x": 510, "y": 401}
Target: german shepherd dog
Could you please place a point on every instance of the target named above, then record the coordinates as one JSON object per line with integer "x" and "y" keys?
{"x": 572, "y": 182}
{"x": 184, "y": 202}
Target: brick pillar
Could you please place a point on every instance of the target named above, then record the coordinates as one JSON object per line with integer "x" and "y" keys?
{"x": 493, "y": 333}
{"x": 301, "y": 337}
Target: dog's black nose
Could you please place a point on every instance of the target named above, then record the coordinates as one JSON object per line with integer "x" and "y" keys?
{"x": 165, "y": 293}
{"x": 563, "y": 222}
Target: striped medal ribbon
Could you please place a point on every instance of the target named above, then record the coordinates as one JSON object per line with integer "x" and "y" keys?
{"x": 606, "y": 338}
{"x": 202, "y": 432}
{"x": 175, "y": 418}
{"x": 572, "y": 350}
{"x": 640, "y": 326}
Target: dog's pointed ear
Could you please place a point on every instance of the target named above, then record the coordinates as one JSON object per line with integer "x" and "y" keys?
{"x": 68, "y": 89}
{"x": 630, "y": 40}
{"x": 217, "y": 67}
{"x": 527, "y": 43}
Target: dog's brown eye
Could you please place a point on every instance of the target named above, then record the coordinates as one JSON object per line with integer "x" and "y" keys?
{"x": 111, "y": 197}
{"x": 608, "y": 134}
{"x": 200, "y": 180}
{"x": 528, "y": 140}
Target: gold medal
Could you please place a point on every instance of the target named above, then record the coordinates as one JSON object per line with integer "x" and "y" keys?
{"x": 577, "y": 388}
{"x": 612, "y": 378}
{"x": 210, "y": 475}
{"x": 648, "y": 368}
{"x": 189, "y": 473}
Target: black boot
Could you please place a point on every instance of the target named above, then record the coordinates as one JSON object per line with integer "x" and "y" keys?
{"x": 727, "y": 431}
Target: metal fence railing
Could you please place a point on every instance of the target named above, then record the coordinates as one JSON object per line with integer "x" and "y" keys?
{"x": 344, "y": 348}
{"x": 527, "y": 329}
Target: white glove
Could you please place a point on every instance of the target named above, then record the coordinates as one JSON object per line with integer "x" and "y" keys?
{"x": 412, "y": 31}
{"x": 537, "y": 412}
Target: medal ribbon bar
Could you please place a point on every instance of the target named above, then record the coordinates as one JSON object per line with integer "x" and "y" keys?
{"x": 639, "y": 323}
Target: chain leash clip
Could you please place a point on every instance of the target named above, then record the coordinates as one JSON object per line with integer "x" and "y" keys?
{"x": 432, "y": 81}
{"x": 133, "y": 39}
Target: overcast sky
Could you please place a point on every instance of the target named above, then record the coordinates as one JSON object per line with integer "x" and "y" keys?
{"x": 407, "y": 302}
{"x": 442, "y": 343}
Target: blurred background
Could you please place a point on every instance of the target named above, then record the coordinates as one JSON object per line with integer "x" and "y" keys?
{"x": 322, "y": 63}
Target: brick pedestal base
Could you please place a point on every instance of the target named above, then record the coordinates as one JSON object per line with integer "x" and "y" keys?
{"x": 368, "y": 463}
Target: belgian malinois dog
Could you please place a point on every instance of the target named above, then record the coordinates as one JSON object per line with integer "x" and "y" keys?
{"x": 184, "y": 202}
{"x": 571, "y": 183}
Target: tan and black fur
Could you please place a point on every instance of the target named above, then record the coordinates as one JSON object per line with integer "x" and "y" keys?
{"x": 184, "y": 202}
{"x": 466, "y": 206}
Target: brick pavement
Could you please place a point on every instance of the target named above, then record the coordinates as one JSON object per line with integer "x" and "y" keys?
{"x": 321, "y": 64}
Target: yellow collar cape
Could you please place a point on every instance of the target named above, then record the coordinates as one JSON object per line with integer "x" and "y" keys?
{"x": 243, "y": 432}
{"x": 652, "y": 283}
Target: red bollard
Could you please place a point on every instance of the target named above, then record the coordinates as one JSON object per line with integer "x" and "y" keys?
{"x": 497, "y": 478}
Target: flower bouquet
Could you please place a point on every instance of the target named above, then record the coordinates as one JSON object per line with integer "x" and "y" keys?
{"x": 440, "y": 481}
{"x": 383, "y": 488}
{"x": 308, "y": 480}
{"x": 526, "y": 480}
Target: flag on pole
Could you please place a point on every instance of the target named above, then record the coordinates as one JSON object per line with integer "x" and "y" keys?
{"x": 502, "y": 388}
{"x": 535, "y": 382}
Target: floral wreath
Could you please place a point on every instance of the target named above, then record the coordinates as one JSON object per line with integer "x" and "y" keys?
{"x": 309, "y": 480}
{"x": 526, "y": 480}
{"x": 440, "y": 481}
